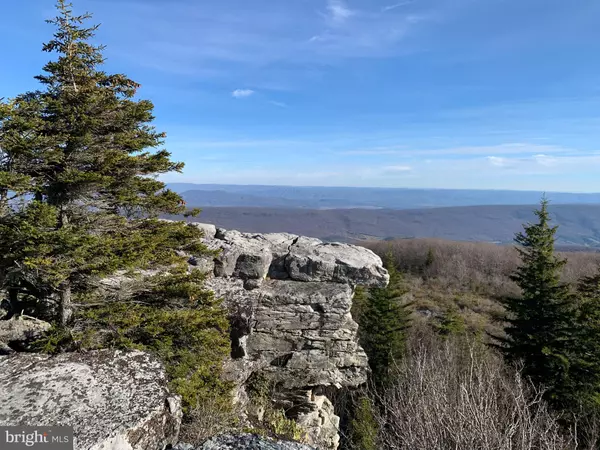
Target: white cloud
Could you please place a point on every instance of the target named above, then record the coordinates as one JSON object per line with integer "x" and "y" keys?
{"x": 390, "y": 150}
{"x": 242, "y": 93}
{"x": 278, "y": 104}
{"x": 394, "y": 6}
{"x": 498, "y": 162}
{"x": 221, "y": 41}
{"x": 523, "y": 149}
{"x": 397, "y": 169}
{"x": 338, "y": 11}
{"x": 570, "y": 173}
{"x": 545, "y": 160}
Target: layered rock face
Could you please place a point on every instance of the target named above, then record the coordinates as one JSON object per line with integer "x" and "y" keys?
{"x": 113, "y": 400}
{"x": 290, "y": 300}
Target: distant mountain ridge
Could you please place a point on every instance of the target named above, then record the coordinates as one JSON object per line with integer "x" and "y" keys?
{"x": 579, "y": 224}
{"x": 352, "y": 197}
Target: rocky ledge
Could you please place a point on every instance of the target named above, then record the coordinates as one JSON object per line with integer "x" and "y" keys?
{"x": 113, "y": 400}
{"x": 289, "y": 299}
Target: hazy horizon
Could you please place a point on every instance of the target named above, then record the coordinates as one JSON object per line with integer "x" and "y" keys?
{"x": 376, "y": 187}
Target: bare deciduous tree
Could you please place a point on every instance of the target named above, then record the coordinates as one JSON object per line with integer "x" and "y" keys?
{"x": 472, "y": 266}
{"x": 458, "y": 394}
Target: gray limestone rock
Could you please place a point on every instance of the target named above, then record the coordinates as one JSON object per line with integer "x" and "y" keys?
{"x": 312, "y": 260}
{"x": 248, "y": 442}
{"x": 113, "y": 400}
{"x": 289, "y": 300}
{"x": 243, "y": 256}
{"x": 298, "y": 335}
{"x": 208, "y": 228}
{"x": 301, "y": 333}
{"x": 22, "y": 329}
{"x": 321, "y": 423}
{"x": 286, "y": 256}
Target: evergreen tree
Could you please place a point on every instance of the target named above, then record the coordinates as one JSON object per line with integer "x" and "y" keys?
{"x": 79, "y": 197}
{"x": 540, "y": 326}
{"x": 363, "y": 425}
{"x": 585, "y": 371}
{"x": 382, "y": 325}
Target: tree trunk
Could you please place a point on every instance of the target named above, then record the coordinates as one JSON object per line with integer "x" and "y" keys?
{"x": 13, "y": 300}
{"x": 65, "y": 308}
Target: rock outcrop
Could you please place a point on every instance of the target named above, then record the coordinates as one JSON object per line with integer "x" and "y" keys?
{"x": 243, "y": 442}
{"x": 113, "y": 400}
{"x": 289, "y": 299}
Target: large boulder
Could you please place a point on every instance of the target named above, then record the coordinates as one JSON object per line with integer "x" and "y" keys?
{"x": 312, "y": 260}
{"x": 113, "y": 400}
{"x": 301, "y": 337}
{"x": 20, "y": 330}
{"x": 242, "y": 256}
{"x": 301, "y": 333}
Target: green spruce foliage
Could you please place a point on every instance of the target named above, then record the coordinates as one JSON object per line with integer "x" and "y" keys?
{"x": 383, "y": 320}
{"x": 585, "y": 373}
{"x": 364, "y": 428}
{"x": 80, "y": 200}
{"x": 541, "y": 322}
{"x": 78, "y": 166}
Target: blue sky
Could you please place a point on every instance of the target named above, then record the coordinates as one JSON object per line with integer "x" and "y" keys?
{"x": 500, "y": 94}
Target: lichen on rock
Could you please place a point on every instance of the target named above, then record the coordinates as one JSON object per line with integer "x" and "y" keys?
{"x": 114, "y": 400}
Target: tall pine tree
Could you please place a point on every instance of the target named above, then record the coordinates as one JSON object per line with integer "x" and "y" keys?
{"x": 540, "y": 326}
{"x": 79, "y": 159}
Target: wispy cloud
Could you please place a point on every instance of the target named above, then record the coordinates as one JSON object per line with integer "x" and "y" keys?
{"x": 391, "y": 150}
{"x": 278, "y": 104}
{"x": 397, "y": 169}
{"x": 533, "y": 172}
{"x": 545, "y": 160}
{"x": 545, "y": 164}
{"x": 498, "y": 161}
{"x": 502, "y": 149}
{"x": 339, "y": 11}
{"x": 236, "y": 39}
{"x": 394, "y": 6}
{"x": 242, "y": 93}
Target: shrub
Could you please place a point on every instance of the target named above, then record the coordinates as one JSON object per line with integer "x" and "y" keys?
{"x": 267, "y": 418}
{"x": 173, "y": 318}
{"x": 456, "y": 393}
{"x": 364, "y": 428}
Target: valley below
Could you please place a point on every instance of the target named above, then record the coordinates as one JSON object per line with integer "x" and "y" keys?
{"x": 579, "y": 225}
